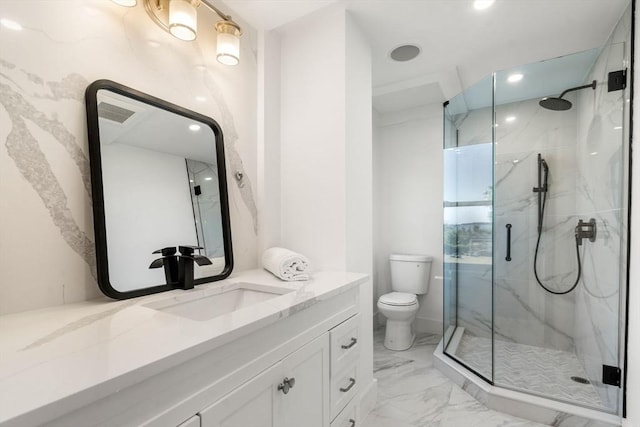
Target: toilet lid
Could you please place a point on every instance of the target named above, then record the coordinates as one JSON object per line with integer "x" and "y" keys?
{"x": 410, "y": 258}
{"x": 398, "y": 298}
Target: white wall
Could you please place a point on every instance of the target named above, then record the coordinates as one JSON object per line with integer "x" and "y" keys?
{"x": 269, "y": 197}
{"x": 44, "y": 168}
{"x": 313, "y": 161}
{"x": 408, "y": 183}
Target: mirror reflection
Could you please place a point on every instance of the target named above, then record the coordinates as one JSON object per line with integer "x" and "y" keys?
{"x": 162, "y": 185}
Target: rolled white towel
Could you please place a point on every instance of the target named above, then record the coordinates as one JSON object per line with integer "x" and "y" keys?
{"x": 285, "y": 264}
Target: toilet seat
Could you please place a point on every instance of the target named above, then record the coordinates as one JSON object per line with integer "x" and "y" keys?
{"x": 398, "y": 299}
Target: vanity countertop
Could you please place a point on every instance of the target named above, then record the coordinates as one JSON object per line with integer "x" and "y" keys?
{"x": 58, "y": 359}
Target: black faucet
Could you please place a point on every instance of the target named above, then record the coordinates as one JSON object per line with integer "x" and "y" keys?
{"x": 178, "y": 269}
{"x": 170, "y": 263}
{"x": 185, "y": 265}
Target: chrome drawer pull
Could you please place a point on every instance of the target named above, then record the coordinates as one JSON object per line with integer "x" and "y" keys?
{"x": 353, "y": 342}
{"x": 286, "y": 384}
{"x": 352, "y": 382}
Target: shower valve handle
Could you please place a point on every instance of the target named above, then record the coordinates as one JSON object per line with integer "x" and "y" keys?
{"x": 586, "y": 230}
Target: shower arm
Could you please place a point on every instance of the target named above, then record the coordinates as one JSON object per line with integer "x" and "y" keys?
{"x": 592, "y": 85}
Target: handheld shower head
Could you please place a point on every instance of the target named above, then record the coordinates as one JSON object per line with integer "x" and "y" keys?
{"x": 545, "y": 181}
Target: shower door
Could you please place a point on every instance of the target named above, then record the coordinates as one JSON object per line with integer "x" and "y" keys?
{"x": 557, "y": 300}
{"x": 468, "y": 228}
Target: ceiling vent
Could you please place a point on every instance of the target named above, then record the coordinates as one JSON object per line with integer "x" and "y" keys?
{"x": 113, "y": 112}
{"x": 405, "y": 52}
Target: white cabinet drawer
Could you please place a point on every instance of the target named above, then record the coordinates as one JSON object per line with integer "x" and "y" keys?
{"x": 346, "y": 418}
{"x": 344, "y": 386}
{"x": 345, "y": 345}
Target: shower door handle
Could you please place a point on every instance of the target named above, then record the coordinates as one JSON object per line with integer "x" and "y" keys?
{"x": 508, "y": 257}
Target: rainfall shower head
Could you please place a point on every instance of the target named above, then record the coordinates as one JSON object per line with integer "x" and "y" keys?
{"x": 559, "y": 104}
{"x": 555, "y": 104}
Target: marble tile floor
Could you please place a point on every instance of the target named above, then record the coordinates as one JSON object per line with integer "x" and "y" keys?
{"x": 412, "y": 393}
{"x": 543, "y": 371}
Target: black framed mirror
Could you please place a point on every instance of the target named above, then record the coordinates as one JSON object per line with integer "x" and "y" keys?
{"x": 158, "y": 181}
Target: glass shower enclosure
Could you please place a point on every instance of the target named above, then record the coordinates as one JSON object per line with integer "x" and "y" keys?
{"x": 535, "y": 225}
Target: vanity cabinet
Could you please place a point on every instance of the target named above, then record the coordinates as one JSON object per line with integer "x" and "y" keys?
{"x": 325, "y": 375}
{"x": 269, "y": 400}
{"x": 236, "y": 376}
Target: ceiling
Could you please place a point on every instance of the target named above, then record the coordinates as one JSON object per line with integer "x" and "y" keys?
{"x": 459, "y": 45}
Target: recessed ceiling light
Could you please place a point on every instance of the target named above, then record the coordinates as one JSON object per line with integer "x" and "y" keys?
{"x": 200, "y": 98}
{"x": 513, "y": 78}
{"x": 482, "y": 4}
{"x": 594, "y": 153}
{"x": 12, "y": 25}
{"x": 405, "y": 52}
{"x": 617, "y": 127}
{"x": 208, "y": 178}
{"x": 194, "y": 127}
{"x": 510, "y": 119}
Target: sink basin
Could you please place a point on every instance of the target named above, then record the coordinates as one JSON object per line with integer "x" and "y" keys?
{"x": 206, "y": 305}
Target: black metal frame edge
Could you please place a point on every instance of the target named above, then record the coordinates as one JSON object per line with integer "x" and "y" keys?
{"x": 628, "y": 269}
{"x": 99, "y": 223}
{"x": 467, "y": 367}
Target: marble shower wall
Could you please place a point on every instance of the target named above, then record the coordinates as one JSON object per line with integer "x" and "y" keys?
{"x": 523, "y": 311}
{"x": 602, "y": 158}
{"x": 46, "y": 232}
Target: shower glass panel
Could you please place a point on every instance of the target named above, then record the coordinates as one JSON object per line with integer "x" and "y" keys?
{"x": 556, "y": 302}
{"x": 535, "y": 225}
{"x": 205, "y": 198}
{"x": 468, "y": 224}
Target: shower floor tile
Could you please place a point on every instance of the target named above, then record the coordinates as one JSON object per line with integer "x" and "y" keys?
{"x": 538, "y": 370}
{"x": 412, "y": 393}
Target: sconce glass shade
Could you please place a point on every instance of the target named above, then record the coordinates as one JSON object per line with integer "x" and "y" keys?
{"x": 228, "y": 46}
{"x": 183, "y": 19}
{"x": 126, "y": 3}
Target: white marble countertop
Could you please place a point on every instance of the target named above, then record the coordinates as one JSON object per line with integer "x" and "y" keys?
{"x": 67, "y": 356}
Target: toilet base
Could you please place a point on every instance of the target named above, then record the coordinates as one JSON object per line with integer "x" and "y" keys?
{"x": 398, "y": 335}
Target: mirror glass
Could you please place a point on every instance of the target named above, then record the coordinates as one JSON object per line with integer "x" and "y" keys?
{"x": 158, "y": 180}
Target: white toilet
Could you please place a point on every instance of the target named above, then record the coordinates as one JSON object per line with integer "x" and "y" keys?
{"x": 409, "y": 276}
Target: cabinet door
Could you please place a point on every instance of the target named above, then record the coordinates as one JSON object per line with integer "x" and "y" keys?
{"x": 307, "y": 403}
{"x": 254, "y": 404}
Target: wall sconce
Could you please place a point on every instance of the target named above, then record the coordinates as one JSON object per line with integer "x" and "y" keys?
{"x": 180, "y": 18}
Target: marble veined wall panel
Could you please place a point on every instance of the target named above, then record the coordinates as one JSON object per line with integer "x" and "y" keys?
{"x": 47, "y": 245}
{"x": 524, "y": 312}
{"x": 601, "y": 182}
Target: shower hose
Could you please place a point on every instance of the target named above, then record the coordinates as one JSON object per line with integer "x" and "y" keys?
{"x": 535, "y": 257}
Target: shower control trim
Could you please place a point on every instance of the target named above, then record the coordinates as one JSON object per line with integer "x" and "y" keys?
{"x": 586, "y": 230}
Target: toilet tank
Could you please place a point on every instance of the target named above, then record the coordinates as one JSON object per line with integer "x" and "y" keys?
{"x": 410, "y": 273}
